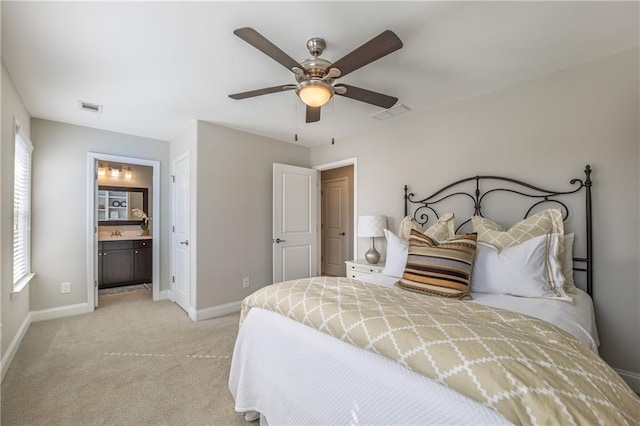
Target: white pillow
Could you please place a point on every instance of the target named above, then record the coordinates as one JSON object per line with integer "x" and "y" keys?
{"x": 520, "y": 270}
{"x": 397, "y": 250}
{"x": 567, "y": 264}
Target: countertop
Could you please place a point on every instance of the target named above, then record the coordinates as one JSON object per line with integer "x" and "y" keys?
{"x": 125, "y": 236}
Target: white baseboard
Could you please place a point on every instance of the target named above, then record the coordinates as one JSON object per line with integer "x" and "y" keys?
{"x": 193, "y": 315}
{"x": 632, "y": 379}
{"x": 15, "y": 344}
{"x": 215, "y": 311}
{"x": 165, "y": 294}
{"x": 61, "y": 312}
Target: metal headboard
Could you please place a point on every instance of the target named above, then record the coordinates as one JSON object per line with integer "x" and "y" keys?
{"x": 426, "y": 206}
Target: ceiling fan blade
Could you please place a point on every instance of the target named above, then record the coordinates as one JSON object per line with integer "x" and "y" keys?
{"x": 258, "y": 41}
{"x": 260, "y": 92}
{"x": 313, "y": 114}
{"x": 379, "y": 46}
{"x": 364, "y": 95}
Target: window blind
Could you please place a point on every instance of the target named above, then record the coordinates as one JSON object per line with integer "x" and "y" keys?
{"x": 22, "y": 207}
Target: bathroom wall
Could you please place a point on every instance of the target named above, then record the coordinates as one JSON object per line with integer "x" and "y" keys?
{"x": 142, "y": 177}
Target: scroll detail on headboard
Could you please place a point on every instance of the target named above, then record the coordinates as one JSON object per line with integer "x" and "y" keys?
{"x": 426, "y": 206}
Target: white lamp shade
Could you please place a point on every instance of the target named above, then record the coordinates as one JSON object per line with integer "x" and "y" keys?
{"x": 371, "y": 226}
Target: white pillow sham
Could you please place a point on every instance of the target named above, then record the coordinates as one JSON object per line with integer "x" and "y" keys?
{"x": 567, "y": 264}
{"x": 520, "y": 270}
{"x": 397, "y": 250}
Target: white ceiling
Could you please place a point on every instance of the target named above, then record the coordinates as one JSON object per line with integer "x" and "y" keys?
{"x": 157, "y": 66}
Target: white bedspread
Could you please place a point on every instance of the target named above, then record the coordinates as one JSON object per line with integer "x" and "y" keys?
{"x": 294, "y": 374}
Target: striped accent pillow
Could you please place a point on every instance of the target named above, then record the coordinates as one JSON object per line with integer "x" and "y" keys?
{"x": 439, "y": 269}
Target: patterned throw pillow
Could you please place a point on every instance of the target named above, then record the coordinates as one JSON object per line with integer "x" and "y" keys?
{"x": 545, "y": 222}
{"x": 441, "y": 230}
{"x": 439, "y": 269}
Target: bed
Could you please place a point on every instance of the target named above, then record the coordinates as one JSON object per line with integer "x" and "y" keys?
{"x": 287, "y": 372}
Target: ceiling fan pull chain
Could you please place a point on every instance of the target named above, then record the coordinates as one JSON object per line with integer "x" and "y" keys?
{"x": 333, "y": 121}
{"x": 295, "y": 119}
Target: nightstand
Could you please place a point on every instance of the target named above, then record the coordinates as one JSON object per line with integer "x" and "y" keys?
{"x": 361, "y": 266}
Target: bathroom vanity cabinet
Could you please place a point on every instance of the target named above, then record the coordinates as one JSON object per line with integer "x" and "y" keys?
{"x": 124, "y": 262}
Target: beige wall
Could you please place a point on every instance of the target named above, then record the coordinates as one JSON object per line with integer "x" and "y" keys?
{"x": 234, "y": 220}
{"x": 14, "y": 311}
{"x": 59, "y": 224}
{"x": 541, "y": 131}
{"x": 142, "y": 177}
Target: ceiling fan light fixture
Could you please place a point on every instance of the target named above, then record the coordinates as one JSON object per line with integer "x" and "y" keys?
{"x": 315, "y": 93}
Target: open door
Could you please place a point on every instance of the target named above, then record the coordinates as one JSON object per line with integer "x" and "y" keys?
{"x": 295, "y": 222}
{"x": 180, "y": 250}
{"x": 97, "y": 256}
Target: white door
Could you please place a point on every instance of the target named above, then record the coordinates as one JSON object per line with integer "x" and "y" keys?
{"x": 335, "y": 226}
{"x": 180, "y": 250}
{"x": 295, "y": 222}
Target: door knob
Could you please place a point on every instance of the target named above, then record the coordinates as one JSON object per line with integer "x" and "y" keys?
{"x": 278, "y": 240}
{"x": 185, "y": 242}
{"x": 342, "y": 233}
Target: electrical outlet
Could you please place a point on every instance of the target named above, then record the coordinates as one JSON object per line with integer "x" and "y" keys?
{"x": 245, "y": 282}
{"x": 65, "y": 288}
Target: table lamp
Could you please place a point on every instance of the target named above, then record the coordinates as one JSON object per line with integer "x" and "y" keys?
{"x": 372, "y": 226}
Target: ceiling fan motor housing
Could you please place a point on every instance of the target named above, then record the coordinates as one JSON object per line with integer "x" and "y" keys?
{"x": 314, "y": 68}
{"x": 316, "y": 46}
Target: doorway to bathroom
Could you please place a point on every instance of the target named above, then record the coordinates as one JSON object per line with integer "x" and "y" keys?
{"x": 123, "y": 217}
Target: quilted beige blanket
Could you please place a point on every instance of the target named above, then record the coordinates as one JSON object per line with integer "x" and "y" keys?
{"x": 527, "y": 369}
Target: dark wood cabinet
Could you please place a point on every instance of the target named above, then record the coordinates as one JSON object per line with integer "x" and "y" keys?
{"x": 117, "y": 267}
{"x": 142, "y": 261}
{"x": 124, "y": 262}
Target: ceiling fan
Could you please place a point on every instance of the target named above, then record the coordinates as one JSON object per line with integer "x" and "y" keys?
{"x": 315, "y": 76}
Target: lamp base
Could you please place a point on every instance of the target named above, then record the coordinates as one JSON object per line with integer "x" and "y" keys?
{"x": 372, "y": 256}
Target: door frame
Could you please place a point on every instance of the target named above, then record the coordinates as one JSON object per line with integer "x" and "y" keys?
{"x": 353, "y": 161}
{"x": 92, "y": 228}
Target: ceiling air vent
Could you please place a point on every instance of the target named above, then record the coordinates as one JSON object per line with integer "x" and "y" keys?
{"x": 88, "y": 106}
{"x": 391, "y": 112}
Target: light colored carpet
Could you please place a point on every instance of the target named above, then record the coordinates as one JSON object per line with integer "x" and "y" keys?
{"x": 132, "y": 361}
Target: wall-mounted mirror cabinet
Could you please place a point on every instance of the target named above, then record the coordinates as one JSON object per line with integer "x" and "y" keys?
{"x": 115, "y": 204}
